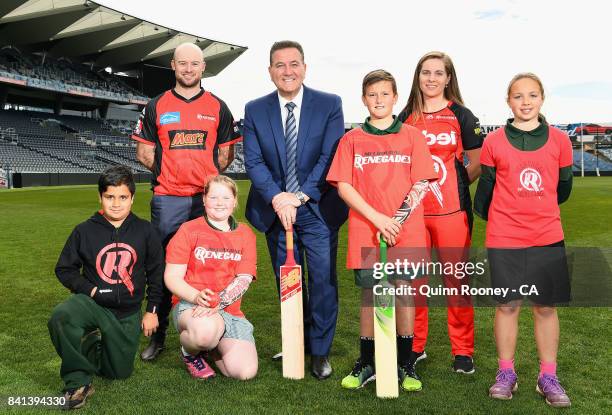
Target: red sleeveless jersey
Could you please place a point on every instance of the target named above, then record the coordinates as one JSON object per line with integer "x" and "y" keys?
{"x": 448, "y": 132}
{"x": 524, "y": 211}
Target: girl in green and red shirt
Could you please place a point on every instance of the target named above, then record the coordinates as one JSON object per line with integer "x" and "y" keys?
{"x": 526, "y": 174}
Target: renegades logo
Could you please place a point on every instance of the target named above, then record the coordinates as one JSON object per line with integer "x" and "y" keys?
{"x": 117, "y": 259}
{"x": 531, "y": 180}
{"x": 187, "y": 139}
{"x": 383, "y": 157}
{"x": 202, "y": 254}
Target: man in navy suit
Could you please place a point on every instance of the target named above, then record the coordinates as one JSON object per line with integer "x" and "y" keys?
{"x": 290, "y": 137}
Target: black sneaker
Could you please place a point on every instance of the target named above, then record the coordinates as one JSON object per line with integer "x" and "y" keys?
{"x": 75, "y": 398}
{"x": 463, "y": 364}
{"x": 416, "y": 357}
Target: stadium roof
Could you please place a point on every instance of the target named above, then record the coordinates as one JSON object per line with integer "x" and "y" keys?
{"x": 91, "y": 33}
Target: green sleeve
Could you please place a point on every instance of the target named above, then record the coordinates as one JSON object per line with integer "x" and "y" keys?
{"x": 484, "y": 191}
{"x": 564, "y": 188}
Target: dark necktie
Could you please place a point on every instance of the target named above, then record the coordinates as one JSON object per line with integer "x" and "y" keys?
{"x": 291, "y": 145}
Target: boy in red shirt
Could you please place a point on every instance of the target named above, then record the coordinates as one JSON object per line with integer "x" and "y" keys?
{"x": 374, "y": 168}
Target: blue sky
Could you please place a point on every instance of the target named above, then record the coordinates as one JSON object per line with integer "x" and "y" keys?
{"x": 566, "y": 43}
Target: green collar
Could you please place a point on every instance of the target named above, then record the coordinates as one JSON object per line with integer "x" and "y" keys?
{"x": 232, "y": 223}
{"x": 394, "y": 128}
{"x": 527, "y": 140}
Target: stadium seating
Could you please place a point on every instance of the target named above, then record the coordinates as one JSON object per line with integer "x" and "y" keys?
{"x": 43, "y": 142}
{"x": 61, "y": 75}
{"x": 22, "y": 159}
{"x": 33, "y": 141}
{"x": 607, "y": 153}
{"x": 591, "y": 162}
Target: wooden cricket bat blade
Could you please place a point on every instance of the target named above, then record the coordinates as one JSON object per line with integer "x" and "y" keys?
{"x": 292, "y": 319}
{"x": 385, "y": 347}
{"x": 385, "y": 342}
{"x": 292, "y": 322}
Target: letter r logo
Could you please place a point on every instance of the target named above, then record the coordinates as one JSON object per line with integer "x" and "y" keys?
{"x": 531, "y": 180}
{"x": 119, "y": 258}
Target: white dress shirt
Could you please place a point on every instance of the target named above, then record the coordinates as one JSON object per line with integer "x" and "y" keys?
{"x": 297, "y": 100}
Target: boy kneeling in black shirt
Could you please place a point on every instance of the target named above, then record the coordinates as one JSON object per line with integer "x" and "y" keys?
{"x": 107, "y": 262}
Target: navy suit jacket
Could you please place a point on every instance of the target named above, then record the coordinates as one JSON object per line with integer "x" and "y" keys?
{"x": 321, "y": 125}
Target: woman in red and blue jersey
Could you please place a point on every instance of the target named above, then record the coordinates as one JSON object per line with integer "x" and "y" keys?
{"x": 435, "y": 107}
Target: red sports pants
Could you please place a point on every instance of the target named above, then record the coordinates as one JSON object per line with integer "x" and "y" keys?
{"x": 450, "y": 236}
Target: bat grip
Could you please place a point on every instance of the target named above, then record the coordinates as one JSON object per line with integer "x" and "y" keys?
{"x": 290, "y": 258}
{"x": 383, "y": 249}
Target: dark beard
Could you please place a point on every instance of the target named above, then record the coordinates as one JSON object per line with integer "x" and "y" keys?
{"x": 186, "y": 85}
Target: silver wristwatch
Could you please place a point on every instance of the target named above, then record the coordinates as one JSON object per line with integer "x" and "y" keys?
{"x": 301, "y": 197}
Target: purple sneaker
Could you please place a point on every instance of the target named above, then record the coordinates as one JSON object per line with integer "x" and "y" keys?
{"x": 197, "y": 366}
{"x": 549, "y": 387}
{"x": 505, "y": 384}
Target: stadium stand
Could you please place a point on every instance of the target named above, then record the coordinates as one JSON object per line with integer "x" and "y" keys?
{"x": 32, "y": 141}
{"x": 597, "y": 154}
{"x": 607, "y": 153}
{"x": 63, "y": 76}
{"x": 72, "y": 84}
{"x": 237, "y": 165}
{"x": 43, "y": 142}
{"x": 591, "y": 162}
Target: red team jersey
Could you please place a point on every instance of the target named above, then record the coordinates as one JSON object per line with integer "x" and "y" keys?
{"x": 382, "y": 168}
{"x": 213, "y": 257}
{"x": 186, "y": 134}
{"x": 448, "y": 132}
{"x": 524, "y": 211}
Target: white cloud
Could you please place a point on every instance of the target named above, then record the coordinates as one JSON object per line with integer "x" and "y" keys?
{"x": 492, "y": 14}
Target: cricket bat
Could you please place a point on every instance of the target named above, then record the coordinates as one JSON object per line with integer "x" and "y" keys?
{"x": 385, "y": 344}
{"x": 292, "y": 320}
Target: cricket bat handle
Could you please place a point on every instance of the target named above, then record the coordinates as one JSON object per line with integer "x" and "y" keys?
{"x": 290, "y": 258}
{"x": 383, "y": 250}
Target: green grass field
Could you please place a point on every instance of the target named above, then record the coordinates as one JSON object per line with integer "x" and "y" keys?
{"x": 35, "y": 223}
